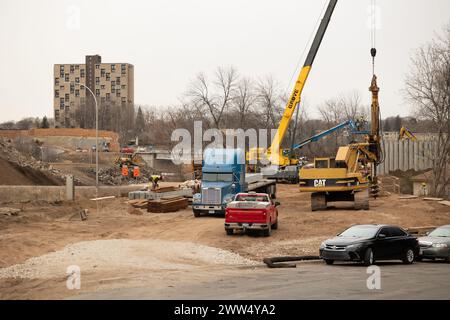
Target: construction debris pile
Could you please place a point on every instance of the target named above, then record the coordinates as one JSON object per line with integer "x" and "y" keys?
{"x": 113, "y": 176}
{"x": 10, "y": 153}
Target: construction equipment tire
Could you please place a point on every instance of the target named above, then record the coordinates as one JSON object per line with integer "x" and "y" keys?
{"x": 318, "y": 201}
{"x": 362, "y": 200}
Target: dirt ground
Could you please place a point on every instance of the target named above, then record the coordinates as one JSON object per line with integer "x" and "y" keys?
{"x": 49, "y": 234}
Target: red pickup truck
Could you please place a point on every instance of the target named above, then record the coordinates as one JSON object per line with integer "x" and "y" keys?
{"x": 251, "y": 211}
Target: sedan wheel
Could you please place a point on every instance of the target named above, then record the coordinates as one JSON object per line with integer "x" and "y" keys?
{"x": 368, "y": 257}
{"x": 409, "y": 256}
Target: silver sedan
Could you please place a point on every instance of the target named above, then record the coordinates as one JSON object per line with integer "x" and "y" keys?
{"x": 436, "y": 244}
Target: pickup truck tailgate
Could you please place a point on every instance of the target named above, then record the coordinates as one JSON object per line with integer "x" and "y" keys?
{"x": 246, "y": 215}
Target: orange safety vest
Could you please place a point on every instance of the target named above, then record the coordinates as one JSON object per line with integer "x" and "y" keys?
{"x": 136, "y": 171}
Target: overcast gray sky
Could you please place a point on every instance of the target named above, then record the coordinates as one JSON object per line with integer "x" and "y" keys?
{"x": 170, "y": 41}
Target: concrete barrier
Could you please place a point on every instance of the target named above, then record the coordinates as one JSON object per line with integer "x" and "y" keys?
{"x": 58, "y": 193}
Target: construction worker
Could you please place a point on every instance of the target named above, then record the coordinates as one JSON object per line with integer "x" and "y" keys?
{"x": 154, "y": 178}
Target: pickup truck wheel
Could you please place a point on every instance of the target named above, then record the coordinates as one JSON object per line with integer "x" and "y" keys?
{"x": 275, "y": 225}
{"x": 229, "y": 232}
{"x": 268, "y": 231}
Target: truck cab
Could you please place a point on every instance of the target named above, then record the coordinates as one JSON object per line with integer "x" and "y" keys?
{"x": 223, "y": 176}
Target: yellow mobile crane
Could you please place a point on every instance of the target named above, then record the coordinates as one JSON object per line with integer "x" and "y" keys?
{"x": 274, "y": 155}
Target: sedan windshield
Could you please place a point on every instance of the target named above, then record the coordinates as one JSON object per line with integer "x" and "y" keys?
{"x": 440, "y": 232}
{"x": 360, "y": 232}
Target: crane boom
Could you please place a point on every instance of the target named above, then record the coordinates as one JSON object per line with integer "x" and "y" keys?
{"x": 325, "y": 133}
{"x": 295, "y": 97}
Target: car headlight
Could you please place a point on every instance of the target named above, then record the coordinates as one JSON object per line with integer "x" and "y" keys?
{"x": 322, "y": 245}
{"x": 196, "y": 198}
{"x": 439, "y": 245}
{"x": 354, "y": 246}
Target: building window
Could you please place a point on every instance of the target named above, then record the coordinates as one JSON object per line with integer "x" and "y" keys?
{"x": 97, "y": 66}
{"x": 61, "y": 103}
{"x": 108, "y": 97}
{"x": 113, "y": 86}
{"x": 56, "y": 93}
{"x": 61, "y": 88}
{"x": 82, "y": 73}
{"x": 67, "y": 97}
{"x": 72, "y": 68}
{"x": 66, "y": 77}
{"x": 61, "y": 71}
{"x": 77, "y": 66}
{"x": 77, "y": 80}
{"x": 124, "y": 100}
{"x": 97, "y": 81}
{"x": 108, "y": 76}
{"x": 113, "y": 67}
{"x": 118, "y": 93}
{"x": 56, "y": 81}
{"x": 123, "y": 86}
{"x": 102, "y": 72}
{"x": 102, "y": 86}
{"x": 72, "y": 88}
{"x": 118, "y": 80}
{"x": 97, "y": 92}
{"x": 77, "y": 93}
{"x": 123, "y": 69}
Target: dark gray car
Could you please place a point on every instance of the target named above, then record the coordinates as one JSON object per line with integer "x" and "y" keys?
{"x": 436, "y": 245}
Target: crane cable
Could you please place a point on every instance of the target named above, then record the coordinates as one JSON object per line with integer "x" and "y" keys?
{"x": 373, "y": 27}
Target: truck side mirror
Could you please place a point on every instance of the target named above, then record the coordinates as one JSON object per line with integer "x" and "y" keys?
{"x": 277, "y": 203}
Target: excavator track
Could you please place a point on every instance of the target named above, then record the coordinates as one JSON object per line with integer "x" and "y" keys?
{"x": 318, "y": 201}
{"x": 362, "y": 200}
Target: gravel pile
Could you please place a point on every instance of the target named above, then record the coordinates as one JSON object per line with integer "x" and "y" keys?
{"x": 101, "y": 255}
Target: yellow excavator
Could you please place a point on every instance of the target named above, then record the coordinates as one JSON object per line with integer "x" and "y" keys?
{"x": 405, "y": 133}
{"x": 353, "y": 172}
{"x": 274, "y": 155}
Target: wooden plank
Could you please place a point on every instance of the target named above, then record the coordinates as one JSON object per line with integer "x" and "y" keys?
{"x": 103, "y": 198}
{"x": 432, "y": 199}
{"x": 406, "y": 197}
{"x": 445, "y": 203}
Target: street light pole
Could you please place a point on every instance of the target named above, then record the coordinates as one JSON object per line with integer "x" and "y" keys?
{"x": 96, "y": 139}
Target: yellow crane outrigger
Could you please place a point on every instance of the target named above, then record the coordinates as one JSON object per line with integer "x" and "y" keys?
{"x": 274, "y": 155}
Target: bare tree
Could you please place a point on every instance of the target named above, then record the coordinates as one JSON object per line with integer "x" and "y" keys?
{"x": 215, "y": 97}
{"x": 244, "y": 100}
{"x": 269, "y": 99}
{"x": 428, "y": 88}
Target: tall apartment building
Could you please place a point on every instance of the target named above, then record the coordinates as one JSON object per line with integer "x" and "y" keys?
{"x": 74, "y": 106}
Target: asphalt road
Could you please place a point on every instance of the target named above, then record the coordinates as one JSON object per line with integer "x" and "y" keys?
{"x": 426, "y": 280}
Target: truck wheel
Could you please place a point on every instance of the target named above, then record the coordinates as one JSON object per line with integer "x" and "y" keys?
{"x": 196, "y": 213}
{"x": 368, "y": 257}
{"x": 229, "y": 232}
{"x": 268, "y": 231}
{"x": 275, "y": 225}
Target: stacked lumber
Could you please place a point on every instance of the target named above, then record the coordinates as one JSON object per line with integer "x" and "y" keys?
{"x": 167, "y": 204}
{"x": 138, "y": 203}
{"x": 165, "y": 189}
